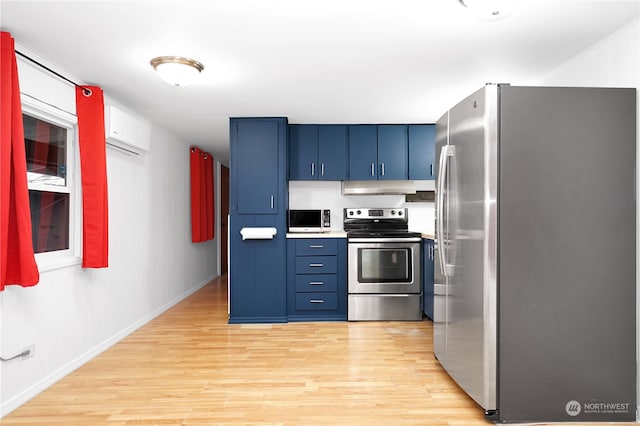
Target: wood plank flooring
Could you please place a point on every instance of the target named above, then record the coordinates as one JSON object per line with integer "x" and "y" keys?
{"x": 189, "y": 367}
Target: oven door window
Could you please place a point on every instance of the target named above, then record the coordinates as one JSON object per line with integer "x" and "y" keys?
{"x": 384, "y": 265}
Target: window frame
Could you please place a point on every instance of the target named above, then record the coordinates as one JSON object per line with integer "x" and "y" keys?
{"x": 39, "y": 110}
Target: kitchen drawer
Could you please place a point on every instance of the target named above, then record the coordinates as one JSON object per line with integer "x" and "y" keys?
{"x": 316, "y": 301}
{"x": 316, "y": 246}
{"x": 316, "y": 282}
{"x": 316, "y": 265}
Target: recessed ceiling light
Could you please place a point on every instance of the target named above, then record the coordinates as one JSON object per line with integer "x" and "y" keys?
{"x": 176, "y": 70}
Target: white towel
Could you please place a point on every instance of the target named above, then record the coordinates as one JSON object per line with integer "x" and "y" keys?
{"x": 258, "y": 233}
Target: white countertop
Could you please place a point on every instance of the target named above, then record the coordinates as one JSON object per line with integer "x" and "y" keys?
{"x": 331, "y": 234}
{"x": 336, "y": 234}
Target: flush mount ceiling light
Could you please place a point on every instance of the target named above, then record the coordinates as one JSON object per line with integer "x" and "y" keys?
{"x": 490, "y": 9}
{"x": 176, "y": 70}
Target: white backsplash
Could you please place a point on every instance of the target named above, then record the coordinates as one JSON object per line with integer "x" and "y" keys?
{"x": 328, "y": 195}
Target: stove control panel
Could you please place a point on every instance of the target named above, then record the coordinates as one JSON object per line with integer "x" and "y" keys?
{"x": 375, "y": 213}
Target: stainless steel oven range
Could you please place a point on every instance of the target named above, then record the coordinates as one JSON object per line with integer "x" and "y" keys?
{"x": 384, "y": 273}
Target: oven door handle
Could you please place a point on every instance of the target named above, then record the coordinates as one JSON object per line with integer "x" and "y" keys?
{"x": 384, "y": 240}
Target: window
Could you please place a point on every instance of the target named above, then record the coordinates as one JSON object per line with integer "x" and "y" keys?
{"x": 49, "y": 136}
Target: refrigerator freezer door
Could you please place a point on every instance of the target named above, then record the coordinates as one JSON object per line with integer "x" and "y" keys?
{"x": 469, "y": 244}
{"x": 440, "y": 283}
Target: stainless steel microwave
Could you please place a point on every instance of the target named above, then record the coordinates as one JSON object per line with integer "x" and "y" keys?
{"x": 317, "y": 220}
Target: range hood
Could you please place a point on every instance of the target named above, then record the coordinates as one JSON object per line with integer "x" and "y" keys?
{"x": 378, "y": 187}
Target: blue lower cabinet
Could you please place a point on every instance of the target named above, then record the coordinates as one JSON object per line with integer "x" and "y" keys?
{"x": 427, "y": 277}
{"x": 258, "y": 272}
{"x": 317, "y": 279}
{"x": 317, "y": 301}
{"x": 316, "y": 264}
{"x": 316, "y": 283}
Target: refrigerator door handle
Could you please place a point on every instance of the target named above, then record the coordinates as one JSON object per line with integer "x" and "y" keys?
{"x": 446, "y": 152}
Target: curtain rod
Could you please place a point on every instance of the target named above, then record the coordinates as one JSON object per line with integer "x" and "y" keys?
{"x": 85, "y": 91}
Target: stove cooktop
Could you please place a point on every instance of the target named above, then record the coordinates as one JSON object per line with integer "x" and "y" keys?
{"x": 382, "y": 234}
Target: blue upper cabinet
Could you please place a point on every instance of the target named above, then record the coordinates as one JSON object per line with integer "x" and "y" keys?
{"x": 392, "y": 152}
{"x": 303, "y": 151}
{"x": 317, "y": 152}
{"x": 332, "y": 152}
{"x": 422, "y": 151}
{"x": 363, "y": 152}
{"x": 257, "y": 157}
{"x": 378, "y": 152}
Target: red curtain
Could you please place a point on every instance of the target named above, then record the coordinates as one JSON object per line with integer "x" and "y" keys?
{"x": 93, "y": 167}
{"x": 208, "y": 158}
{"x": 17, "y": 260}
{"x": 202, "y": 195}
{"x": 196, "y": 224}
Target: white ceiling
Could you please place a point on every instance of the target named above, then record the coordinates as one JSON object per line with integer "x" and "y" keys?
{"x": 314, "y": 61}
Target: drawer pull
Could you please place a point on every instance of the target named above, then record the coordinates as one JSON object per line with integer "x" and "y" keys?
{"x": 316, "y": 283}
{"x": 318, "y": 246}
{"x": 316, "y": 265}
{"x": 316, "y": 301}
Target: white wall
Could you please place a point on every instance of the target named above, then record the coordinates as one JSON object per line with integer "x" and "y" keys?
{"x": 328, "y": 195}
{"x": 73, "y": 314}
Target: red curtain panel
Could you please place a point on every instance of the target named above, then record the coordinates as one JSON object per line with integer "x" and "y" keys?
{"x": 196, "y": 183}
{"x": 210, "y": 201}
{"x": 202, "y": 195}
{"x": 93, "y": 166}
{"x": 17, "y": 260}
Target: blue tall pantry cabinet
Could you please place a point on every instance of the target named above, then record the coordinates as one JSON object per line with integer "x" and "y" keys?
{"x": 258, "y": 200}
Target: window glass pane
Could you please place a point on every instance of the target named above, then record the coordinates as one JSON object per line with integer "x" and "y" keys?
{"x": 46, "y": 148}
{"x": 49, "y": 220}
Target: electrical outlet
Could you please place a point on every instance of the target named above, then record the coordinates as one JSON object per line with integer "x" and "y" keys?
{"x": 31, "y": 351}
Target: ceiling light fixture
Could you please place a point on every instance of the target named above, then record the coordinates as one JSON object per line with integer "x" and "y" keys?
{"x": 490, "y": 9}
{"x": 176, "y": 70}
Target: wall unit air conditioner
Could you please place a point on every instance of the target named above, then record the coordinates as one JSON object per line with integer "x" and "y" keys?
{"x": 126, "y": 132}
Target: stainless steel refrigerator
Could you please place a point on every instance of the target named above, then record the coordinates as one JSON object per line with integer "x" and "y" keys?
{"x": 535, "y": 292}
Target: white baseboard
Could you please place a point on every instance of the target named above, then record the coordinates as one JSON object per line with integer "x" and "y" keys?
{"x": 33, "y": 390}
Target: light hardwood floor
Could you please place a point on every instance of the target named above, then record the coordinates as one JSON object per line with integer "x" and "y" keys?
{"x": 189, "y": 367}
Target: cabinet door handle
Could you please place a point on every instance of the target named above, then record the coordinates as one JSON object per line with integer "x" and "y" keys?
{"x": 373, "y": 169}
{"x": 313, "y": 169}
{"x": 316, "y": 265}
{"x": 316, "y": 301}
{"x": 272, "y": 201}
{"x": 316, "y": 283}
{"x": 431, "y": 169}
{"x": 318, "y": 246}
{"x": 382, "y": 169}
{"x": 321, "y": 169}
